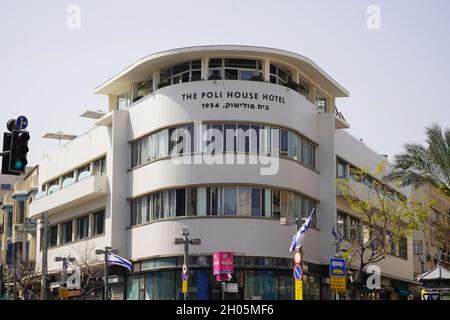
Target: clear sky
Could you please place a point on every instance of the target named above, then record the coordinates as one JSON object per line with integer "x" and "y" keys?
{"x": 398, "y": 76}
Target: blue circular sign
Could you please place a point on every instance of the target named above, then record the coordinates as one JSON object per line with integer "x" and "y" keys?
{"x": 298, "y": 272}
{"x": 21, "y": 122}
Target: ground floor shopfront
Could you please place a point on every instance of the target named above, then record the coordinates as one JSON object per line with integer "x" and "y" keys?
{"x": 257, "y": 278}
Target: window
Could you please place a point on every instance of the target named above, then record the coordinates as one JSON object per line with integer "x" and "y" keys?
{"x": 123, "y": 101}
{"x": 243, "y": 201}
{"x": 82, "y": 228}
{"x": 418, "y": 247}
{"x": 276, "y": 204}
{"x": 256, "y": 202}
{"x": 229, "y": 201}
{"x": 279, "y": 75}
{"x": 341, "y": 169}
{"x": 98, "y": 223}
{"x": 321, "y": 103}
{"x": 241, "y": 138}
{"x": 183, "y": 72}
{"x": 5, "y": 186}
{"x": 234, "y": 69}
{"x": 354, "y": 232}
{"x": 144, "y": 88}
{"x": 219, "y": 201}
{"x": 21, "y": 213}
{"x": 191, "y": 201}
{"x": 403, "y": 248}
{"x": 66, "y": 230}
{"x": 53, "y": 236}
{"x": 100, "y": 166}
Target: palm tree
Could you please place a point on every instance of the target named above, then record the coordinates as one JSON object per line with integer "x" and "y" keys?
{"x": 419, "y": 165}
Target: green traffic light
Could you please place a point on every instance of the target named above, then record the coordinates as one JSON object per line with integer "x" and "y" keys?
{"x": 18, "y": 165}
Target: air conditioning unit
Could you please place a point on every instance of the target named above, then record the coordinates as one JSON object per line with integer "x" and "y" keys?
{"x": 18, "y": 227}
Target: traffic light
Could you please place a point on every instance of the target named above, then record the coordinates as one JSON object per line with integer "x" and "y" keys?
{"x": 5, "y": 158}
{"x": 18, "y": 151}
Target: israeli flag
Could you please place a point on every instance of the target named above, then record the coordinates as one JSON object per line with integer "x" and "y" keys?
{"x": 117, "y": 260}
{"x": 297, "y": 240}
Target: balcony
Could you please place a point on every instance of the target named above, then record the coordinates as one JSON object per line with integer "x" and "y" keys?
{"x": 358, "y": 188}
{"x": 23, "y": 188}
{"x": 71, "y": 194}
{"x": 339, "y": 120}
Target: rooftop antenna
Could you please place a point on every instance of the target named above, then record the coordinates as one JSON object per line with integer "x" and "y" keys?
{"x": 91, "y": 114}
{"x": 59, "y": 136}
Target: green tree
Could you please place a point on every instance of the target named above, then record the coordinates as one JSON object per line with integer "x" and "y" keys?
{"x": 386, "y": 218}
{"x": 419, "y": 164}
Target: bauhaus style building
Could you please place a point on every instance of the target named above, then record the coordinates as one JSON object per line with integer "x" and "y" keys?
{"x": 121, "y": 185}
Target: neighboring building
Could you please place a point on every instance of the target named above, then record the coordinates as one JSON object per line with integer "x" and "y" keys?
{"x": 7, "y": 221}
{"x": 118, "y": 186}
{"x": 428, "y": 244}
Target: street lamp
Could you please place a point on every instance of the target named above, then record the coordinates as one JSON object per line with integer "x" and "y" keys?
{"x": 186, "y": 241}
{"x": 105, "y": 253}
{"x": 65, "y": 262}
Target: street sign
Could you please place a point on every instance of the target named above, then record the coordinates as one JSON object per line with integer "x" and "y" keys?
{"x": 63, "y": 292}
{"x": 298, "y": 272}
{"x": 232, "y": 287}
{"x": 297, "y": 257}
{"x": 298, "y": 290}
{"x": 184, "y": 286}
{"x": 337, "y": 267}
{"x": 338, "y": 284}
{"x": 21, "y": 123}
{"x": 184, "y": 273}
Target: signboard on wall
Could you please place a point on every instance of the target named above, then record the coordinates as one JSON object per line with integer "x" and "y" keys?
{"x": 223, "y": 263}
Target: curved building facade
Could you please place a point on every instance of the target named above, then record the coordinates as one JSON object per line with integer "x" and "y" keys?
{"x": 222, "y": 140}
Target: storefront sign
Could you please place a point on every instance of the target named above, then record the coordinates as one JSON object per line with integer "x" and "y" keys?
{"x": 223, "y": 263}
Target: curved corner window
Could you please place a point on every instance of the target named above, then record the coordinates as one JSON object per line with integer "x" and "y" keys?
{"x": 183, "y": 72}
{"x": 220, "y": 201}
{"x": 235, "y": 69}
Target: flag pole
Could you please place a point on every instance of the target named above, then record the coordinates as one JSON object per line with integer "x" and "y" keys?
{"x": 106, "y": 296}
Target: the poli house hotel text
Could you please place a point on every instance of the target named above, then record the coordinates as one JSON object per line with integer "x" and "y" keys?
{"x": 224, "y": 141}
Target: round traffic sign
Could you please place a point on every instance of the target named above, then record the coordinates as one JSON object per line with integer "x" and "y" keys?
{"x": 298, "y": 272}
{"x": 184, "y": 269}
{"x": 297, "y": 257}
{"x": 21, "y": 122}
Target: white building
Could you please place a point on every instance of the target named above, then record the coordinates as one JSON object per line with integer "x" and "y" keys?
{"x": 118, "y": 186}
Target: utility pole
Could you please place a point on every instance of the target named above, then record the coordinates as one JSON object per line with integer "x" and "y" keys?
{"x": 1, "y": 280}
{"x": 44, "y": 236}
{"x": 186, "y": 241}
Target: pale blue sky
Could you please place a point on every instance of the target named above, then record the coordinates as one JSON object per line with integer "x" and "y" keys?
{"x": 398, "y": 77}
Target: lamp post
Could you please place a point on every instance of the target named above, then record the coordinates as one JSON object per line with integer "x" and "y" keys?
{"x": 65, "y": 262}
{"x": 105, "y": 253}
{"x": 186, "y": 241}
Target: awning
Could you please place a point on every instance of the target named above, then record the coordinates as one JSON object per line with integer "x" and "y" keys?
{"x": 401, "y": 288}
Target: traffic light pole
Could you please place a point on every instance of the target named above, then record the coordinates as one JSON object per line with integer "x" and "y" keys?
{"x": 44, "y": 235}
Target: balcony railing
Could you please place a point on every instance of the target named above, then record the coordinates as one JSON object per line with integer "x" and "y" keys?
{"x": 86, "y": 188}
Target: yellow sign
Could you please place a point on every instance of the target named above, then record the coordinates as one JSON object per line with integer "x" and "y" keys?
{"x": 338, "y": 284}
{"x": 63, "y": 293}
{"x": 184, "y": 287}
{"x": 298, "y": 290}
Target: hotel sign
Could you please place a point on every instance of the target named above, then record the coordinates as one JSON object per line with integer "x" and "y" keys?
{"x": 233, "y": 100}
